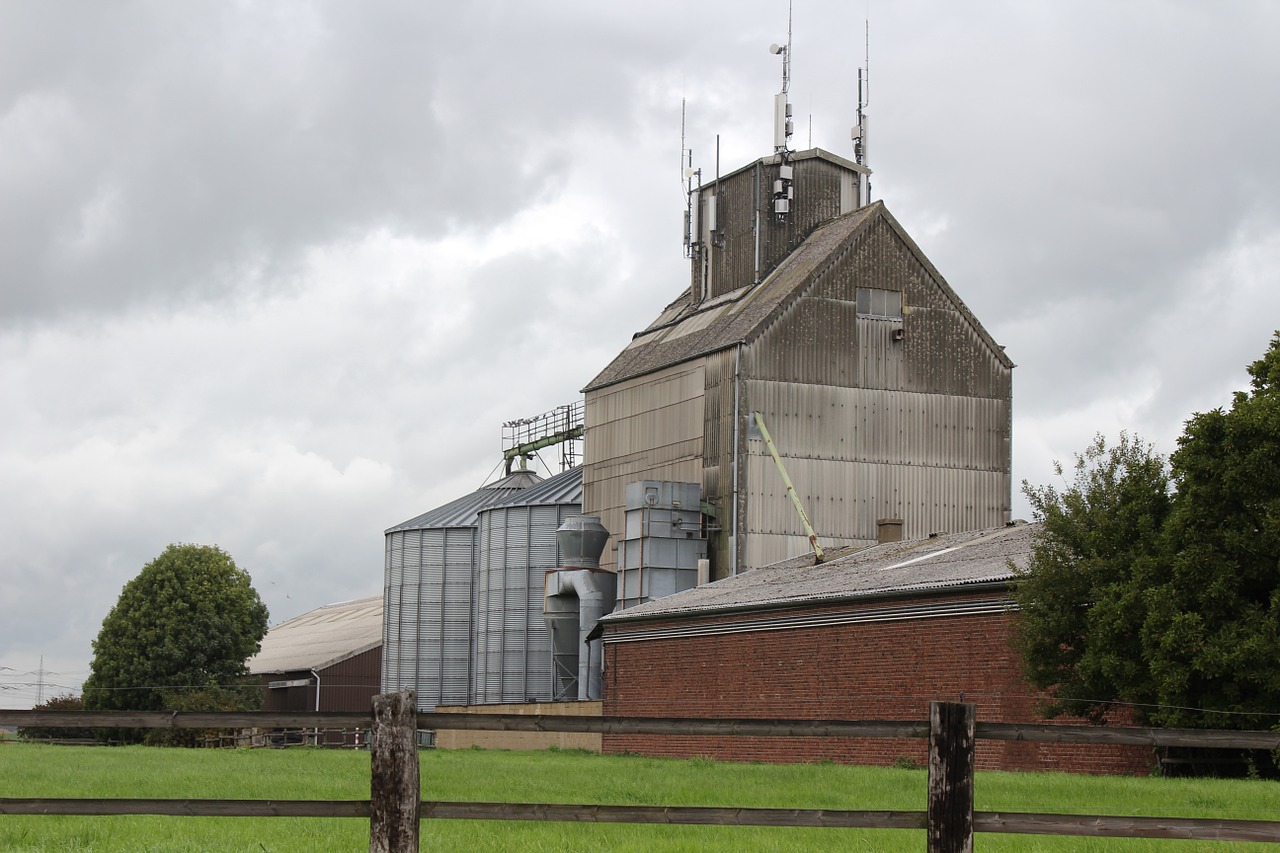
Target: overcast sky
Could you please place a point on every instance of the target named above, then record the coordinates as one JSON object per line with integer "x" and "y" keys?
{"x": 273, "y": 274}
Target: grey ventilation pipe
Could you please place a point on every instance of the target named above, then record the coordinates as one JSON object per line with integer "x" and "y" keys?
{"x": 575, "y": 601}
{"x": 576, "y": 597}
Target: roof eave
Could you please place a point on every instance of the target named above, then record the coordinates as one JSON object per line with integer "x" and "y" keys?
{"x": 987, "y": 585}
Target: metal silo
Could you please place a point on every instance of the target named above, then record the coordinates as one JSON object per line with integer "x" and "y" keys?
{"x": 430, "y": 570}
{"x": 517, "y": 547}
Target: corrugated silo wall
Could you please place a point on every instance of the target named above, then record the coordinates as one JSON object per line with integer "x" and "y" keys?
{"x": 871, "y": 427}
{"x": 647, "y": 428}
{"x": 427, "y": 615}
{"x": 512, "y": 645}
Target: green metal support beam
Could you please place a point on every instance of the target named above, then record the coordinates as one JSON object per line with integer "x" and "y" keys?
{"x": 525, "y": 449}
{"x": 791, "y": 490}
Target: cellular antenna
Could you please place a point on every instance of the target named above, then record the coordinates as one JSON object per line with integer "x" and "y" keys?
{"x": 781, "y": 106}
{"x": 859, "y": 132}
{"x": 782, "y": 128}
{"x": 687, "y": 174}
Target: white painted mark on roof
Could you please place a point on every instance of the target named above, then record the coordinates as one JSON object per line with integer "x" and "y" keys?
{"x": 917, "y": 559}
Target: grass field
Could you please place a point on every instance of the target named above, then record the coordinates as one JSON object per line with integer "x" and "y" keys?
{"x": 31, "y": 770}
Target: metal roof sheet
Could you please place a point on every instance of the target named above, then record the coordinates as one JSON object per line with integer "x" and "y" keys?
{"x": 939, "y": 563}
{"x": 322, "y": 637}
{"x": 686, "y": 330}
{"x": 465, "y": 511}
{"x": 563, "y": 488}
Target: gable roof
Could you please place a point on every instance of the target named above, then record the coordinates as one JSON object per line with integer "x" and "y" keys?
{"x": 924, "y": 566}
{"x": 321, "y": 638}
{"x": 687, "y": 330}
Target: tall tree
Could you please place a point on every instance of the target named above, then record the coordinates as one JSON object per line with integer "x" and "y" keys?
{"x": 1171, "y": 603}
{"x": 1212, "y": 634}
{"x": 1080, "y": 597}
{"x": 186, "y": 624}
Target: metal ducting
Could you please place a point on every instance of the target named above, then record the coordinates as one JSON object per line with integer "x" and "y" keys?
{"x": 581, "y": 540}
{"x": 576, "y": 597}
{"x": 575, "y": 600}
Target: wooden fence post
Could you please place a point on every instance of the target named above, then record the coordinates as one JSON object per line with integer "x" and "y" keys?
{"x": 951, "y": 740}
{"x": 394, "y": 792}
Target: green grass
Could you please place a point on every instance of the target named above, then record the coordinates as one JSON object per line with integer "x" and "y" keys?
{"x": 31, "y": 770}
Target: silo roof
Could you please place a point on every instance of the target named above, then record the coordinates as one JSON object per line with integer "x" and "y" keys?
{"x": 563, "y": 488}
{"x": 465, "y": 511}
{"x": 941, "y": 563}
{"x": 321, "y": 638}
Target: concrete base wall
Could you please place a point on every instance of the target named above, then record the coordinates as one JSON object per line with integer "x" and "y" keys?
{"x": 446, "y": 739}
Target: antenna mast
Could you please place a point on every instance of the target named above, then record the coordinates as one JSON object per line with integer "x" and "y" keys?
{"x": 782, "y": 128}
{"x": 688, "y": 173}
{"x": 859, "y": 132}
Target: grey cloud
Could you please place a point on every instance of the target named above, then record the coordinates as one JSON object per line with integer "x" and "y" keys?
{"x": 260, "y": 281}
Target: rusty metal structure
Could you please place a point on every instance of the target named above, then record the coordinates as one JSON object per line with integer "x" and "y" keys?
{"x": 886, "y": 397}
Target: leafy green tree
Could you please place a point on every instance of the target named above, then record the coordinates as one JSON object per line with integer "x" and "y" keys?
{"x": 1168, "y": 602}
{"x": 1212, "y": 634}
{"x": 185, "y": 625}
{"x": 1081, "y": 596}
{"x": 65, "y": 702}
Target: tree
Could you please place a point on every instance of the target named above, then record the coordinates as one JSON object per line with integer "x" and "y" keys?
{"x": 1212, "y": 633}
{"x": 186, "y": 624}
{"x": 1080, "y": 596}
{"x": 65, "y": 702}
{"x": 1168, "y": 602}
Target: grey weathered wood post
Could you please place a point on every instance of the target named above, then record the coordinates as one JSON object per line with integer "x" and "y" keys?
{"x": 951, "y": 766}
{"x": 394, "y": 792}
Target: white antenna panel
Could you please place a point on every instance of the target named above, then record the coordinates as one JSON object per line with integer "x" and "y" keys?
{"x": 780, "y": 120}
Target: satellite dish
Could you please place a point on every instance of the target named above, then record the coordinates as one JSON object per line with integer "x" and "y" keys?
{"x": 689, "y": 173}
{"x": 776, "y": 48}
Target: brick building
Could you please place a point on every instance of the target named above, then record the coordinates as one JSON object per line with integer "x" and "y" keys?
{"x": 873, "y": 633}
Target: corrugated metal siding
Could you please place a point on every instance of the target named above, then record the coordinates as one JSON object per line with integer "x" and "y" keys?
{"x": 717, "y": 461}
{"x": 512, "y": 645}
{"x": 844, "y": 499}
{"x": 648, "y": 428}
{"x": 350, "y": 685}
{"x": 820, "y": 340}
{"x": 428, "y": 645}
{"x": 289, "y": 700}
{"x": 895, "y": 427}
{"x": 917, "y": 428}
{"x": 430, "y": 577}
{"x": 745, "y": 206}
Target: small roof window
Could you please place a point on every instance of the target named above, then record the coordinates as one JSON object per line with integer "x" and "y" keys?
{"x": 879, "y": 303}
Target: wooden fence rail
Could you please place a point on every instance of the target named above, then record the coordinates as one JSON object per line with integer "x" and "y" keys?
{"x": 1022, "y": 823}
{"x": 1040, "y": 732}
{"x": 394, "y": 809}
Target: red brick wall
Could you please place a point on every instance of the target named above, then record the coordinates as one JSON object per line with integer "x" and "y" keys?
{"x": 888, "y": 670}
